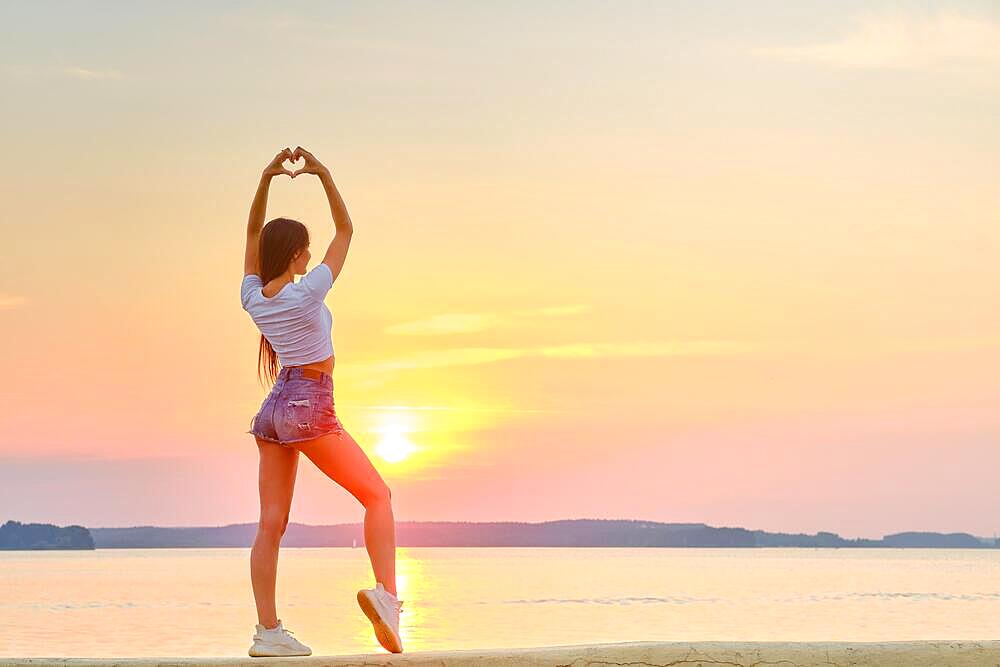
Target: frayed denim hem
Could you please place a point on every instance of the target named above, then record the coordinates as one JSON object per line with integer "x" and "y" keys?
{"x": 338, "y": 430}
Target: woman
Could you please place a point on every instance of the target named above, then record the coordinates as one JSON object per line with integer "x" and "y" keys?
{"x": 298, "y": 415}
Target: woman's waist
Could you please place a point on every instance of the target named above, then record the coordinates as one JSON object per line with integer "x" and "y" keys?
{"x": 310, "y": 370}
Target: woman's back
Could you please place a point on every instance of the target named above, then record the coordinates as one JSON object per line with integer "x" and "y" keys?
{"x": 295, "y": 321}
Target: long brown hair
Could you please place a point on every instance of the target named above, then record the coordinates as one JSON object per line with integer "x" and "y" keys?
{"x": 280, "y": 240}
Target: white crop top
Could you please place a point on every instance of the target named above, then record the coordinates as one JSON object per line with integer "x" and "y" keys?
{"x": 295, "y": 320}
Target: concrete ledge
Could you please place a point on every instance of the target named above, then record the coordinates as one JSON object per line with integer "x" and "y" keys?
{"x": 936, "y": 653}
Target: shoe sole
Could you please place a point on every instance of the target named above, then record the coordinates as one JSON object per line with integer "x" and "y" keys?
{"x": 386, "y": 637}
{"x": 273, "y": 651}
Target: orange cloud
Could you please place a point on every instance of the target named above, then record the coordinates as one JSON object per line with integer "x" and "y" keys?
{"x": 456, "y": 323}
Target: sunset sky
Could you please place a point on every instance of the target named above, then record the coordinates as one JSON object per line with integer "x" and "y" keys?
{"x": 733, "y": 263}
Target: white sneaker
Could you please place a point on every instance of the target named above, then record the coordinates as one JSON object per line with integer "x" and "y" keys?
{"x": 276, "y": 641}
{"x": 383, "y": 609}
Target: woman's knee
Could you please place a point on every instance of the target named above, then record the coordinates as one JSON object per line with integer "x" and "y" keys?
{"x": 379, "y": 495}
{"x": 273, "y": 524}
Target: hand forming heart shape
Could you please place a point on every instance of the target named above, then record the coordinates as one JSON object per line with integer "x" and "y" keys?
{"x": 311, "y": 166}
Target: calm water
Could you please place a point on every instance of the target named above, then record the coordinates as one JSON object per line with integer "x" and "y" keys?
{"x": 187, "y": 602}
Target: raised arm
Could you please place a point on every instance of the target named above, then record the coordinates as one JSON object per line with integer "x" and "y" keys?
{"x": 336, "y": 254}
{"x": 258, "y": 210}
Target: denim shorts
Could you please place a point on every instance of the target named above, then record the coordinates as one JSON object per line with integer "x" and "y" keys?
{"x": 298, "y": 408}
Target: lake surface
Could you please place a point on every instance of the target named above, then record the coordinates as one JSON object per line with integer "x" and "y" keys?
{"x": 198, "y": 602}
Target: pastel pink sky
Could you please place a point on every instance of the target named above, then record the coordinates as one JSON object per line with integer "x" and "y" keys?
{"x": 633, "y": 261}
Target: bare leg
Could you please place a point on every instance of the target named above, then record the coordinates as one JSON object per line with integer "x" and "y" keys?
{"x": 342, "y": 460}
{"x": 276, "y": 482}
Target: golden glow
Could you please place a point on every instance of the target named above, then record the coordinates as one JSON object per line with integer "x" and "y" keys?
{"x": 393, "y": 440}
{"x": 424, "y": 440}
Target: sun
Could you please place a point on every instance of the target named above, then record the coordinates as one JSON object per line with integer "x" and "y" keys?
{"x": 393, "y": 444}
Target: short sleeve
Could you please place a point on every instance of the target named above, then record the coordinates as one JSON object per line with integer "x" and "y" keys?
{"x": 251, "y": 282}
{"x": 318, "y": 281}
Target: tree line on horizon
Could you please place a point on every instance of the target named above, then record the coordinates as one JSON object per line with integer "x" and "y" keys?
{"x": 17, "y": 535}
{"x": 561, "y": 533}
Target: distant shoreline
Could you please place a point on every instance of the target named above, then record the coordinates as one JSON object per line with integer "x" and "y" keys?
{"x": 575, "y": 533}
